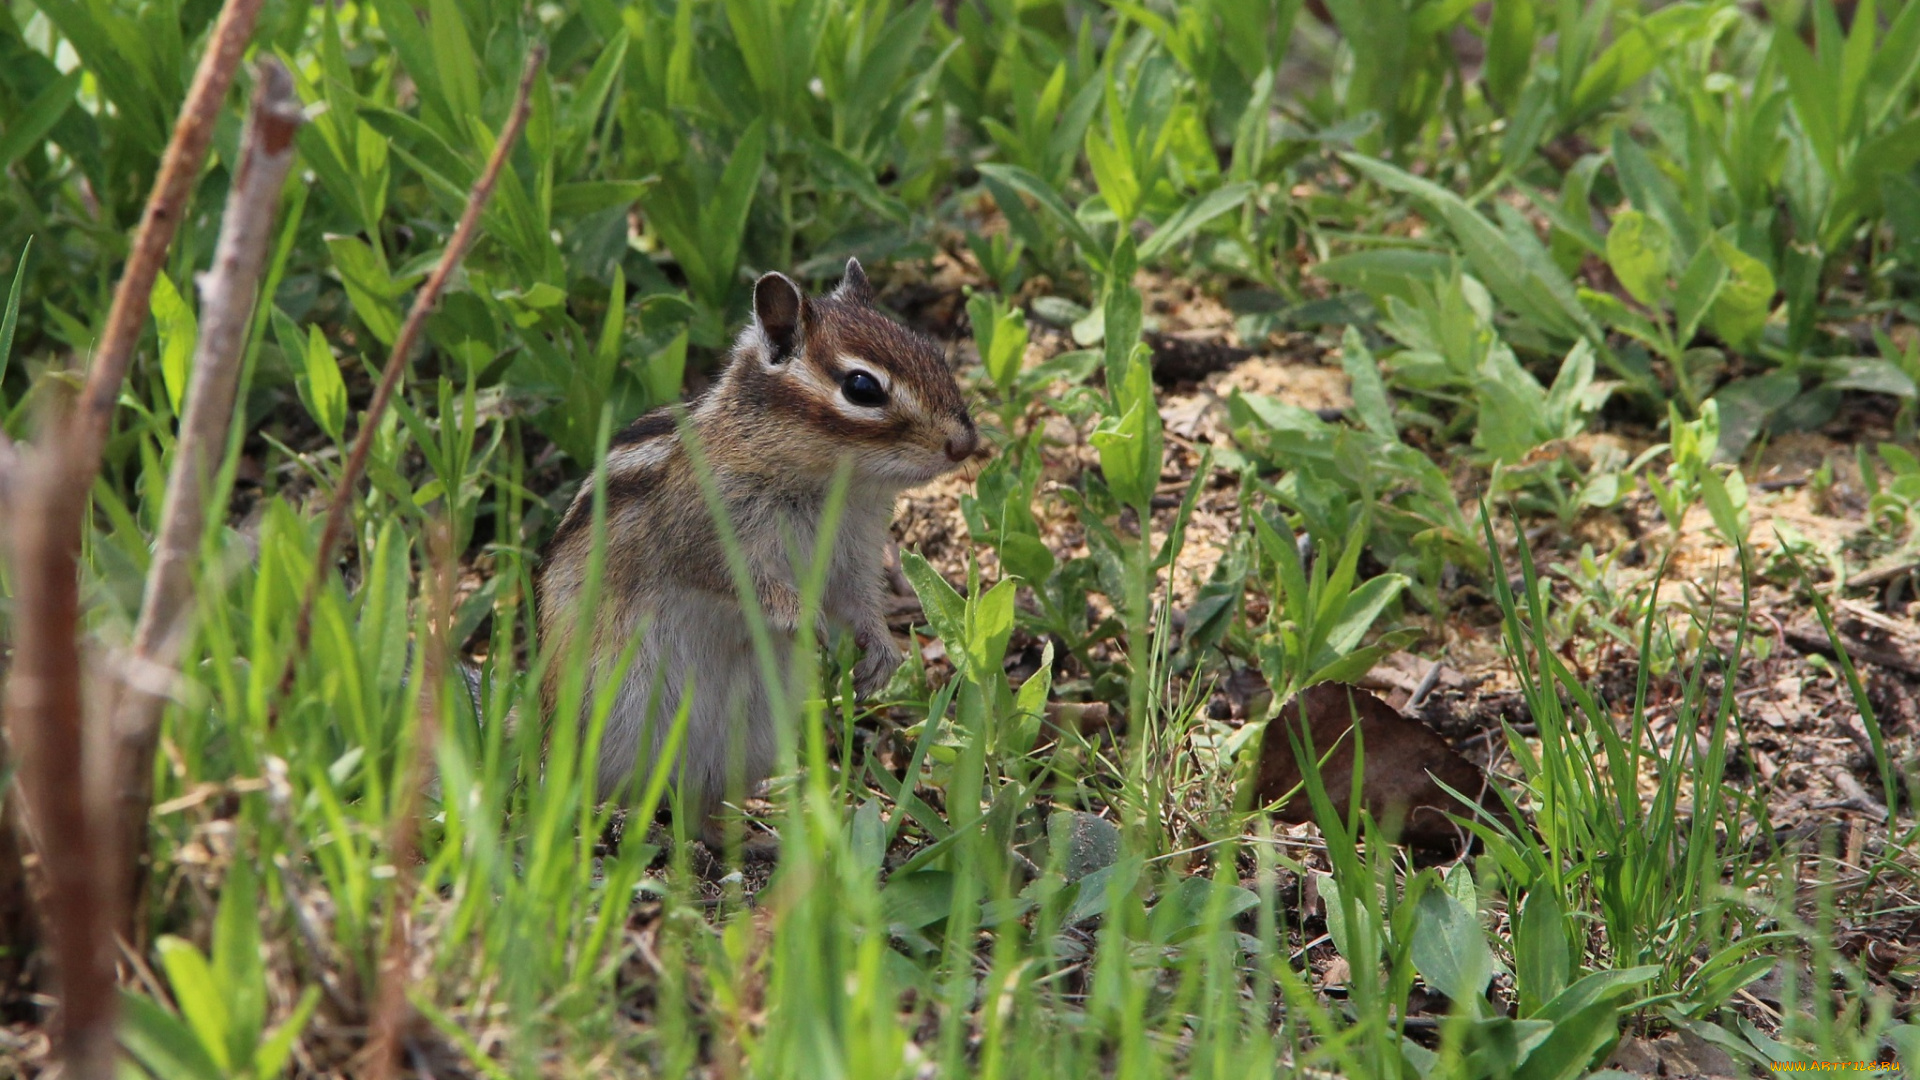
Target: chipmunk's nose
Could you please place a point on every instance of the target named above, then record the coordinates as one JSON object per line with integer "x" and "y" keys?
{"x": 961, "y": 447}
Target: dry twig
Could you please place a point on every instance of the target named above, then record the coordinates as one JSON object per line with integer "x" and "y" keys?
{"x": 227, "y": 298}
{"x": 423, "y": 305}
{"x": 62, "y": 816}
{"x": 392, "y": 1014}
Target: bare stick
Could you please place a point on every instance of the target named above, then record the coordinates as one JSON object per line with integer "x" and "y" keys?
{"x": 45, "y": 724}
{"x": 392, "y": 1014}
{"x": 172, "y": 188}
{"x": 9, "y": 457}
{"x": 226, "y": 304}
{"x": 423, "y": 304}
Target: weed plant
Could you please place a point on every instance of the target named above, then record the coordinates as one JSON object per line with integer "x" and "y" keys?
{"x": 1674, "y": 214}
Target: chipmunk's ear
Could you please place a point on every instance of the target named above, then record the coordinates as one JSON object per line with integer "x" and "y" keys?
{"x": 855, "y": 286}
{"x": 777, "y": 306}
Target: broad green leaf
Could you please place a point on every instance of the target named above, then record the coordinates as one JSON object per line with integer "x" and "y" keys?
{"x": 917, "y": 899}
{"x": 1019, "y": 180}
{"x": 1362, "y": 608}
{"x": 1640, "y": 253}
{"x": 161, "y": 1043}
{"x": 31, "y": 125}
{"x": 1568, "y": 1051}
{"x": 198, "y": 995}
{"x": 270, "y": 1059}
{"x": 370, "y": 287}
{"x": 326, "y": 390}
{"x": 1596, "y": 986}
{"x": 1092, "y": 843}
{"x": 1726, "y": 500}
{"x": 456, "y": 64}
{"x": 179, "y": 330}
{"x": 1189, "y": 218}
{"x": 1450, "y": 950}
{"x": 1365, "y": 385}
{"x": 1188, "y": 906}
{"x": 1699, "y": 286}
{"x": 1534, "y": 289}
{"x": 237, "y": 965}
{"x": 1113, "y": 175}
{"x": 989, "y": 625}
{"x": 1510, "y": 40}
{"x": 1542, "y": 960}
{"x": 946, "y": 609}
{"x": 592, "y": 196}
{"x": 1026, "y": 558}
{"x": 1741, "y": 307}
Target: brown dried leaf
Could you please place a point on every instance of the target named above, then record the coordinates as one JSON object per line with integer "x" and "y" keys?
{"x": 1402, "y": 759}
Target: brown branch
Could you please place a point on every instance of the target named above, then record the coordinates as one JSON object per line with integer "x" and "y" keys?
{"x": 423, "y": 304}
{"x": 45, "y": 717}
{"x": 227, "y": 297}
{"x": 9, "y": 458}
{"x": 172, "y": 190}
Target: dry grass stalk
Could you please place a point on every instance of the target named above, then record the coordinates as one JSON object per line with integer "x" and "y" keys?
{"x": 392, "y": 1014}
{"x": 63, "y": 815}
{"x": 172, "y": 189}
{"x": 227, "y": 293}
{"x": 423, "y": 304}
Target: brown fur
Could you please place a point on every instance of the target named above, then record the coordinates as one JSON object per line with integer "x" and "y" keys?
{"x": 773, "y": 430}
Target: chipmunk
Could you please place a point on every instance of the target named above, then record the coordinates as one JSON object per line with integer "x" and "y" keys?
{"x": 811, "y": 383}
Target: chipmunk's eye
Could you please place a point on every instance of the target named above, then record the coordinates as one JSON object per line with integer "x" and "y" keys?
{"x": 862, "y": 389}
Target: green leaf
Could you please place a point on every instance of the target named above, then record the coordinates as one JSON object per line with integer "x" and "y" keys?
{"x": 326, "y": 390}
{"x": 592, "y": 196}
{"x": 179, "y": 330}
{"x": 989, "y": 625}
{"x": 917, "y": 899}
{"x": 1528, "y": 284}
{"x": 1450, "y": 950}
{"x": 1741, "y": 307}
{"x": 270, "y": 1059}
{"x": 1597, "y": 986}
{"x": 1185, "y": 908}
{"x": 1510, "y": 40}
{"x": 1362, "y": 609}
{"x": 1699, "y": 286}
{"x": 946, "y": 609}
{"x": 1092, "y": 842}
{"x": 1542, "y": 959}
{"x": 1575, "y": 1041}
{"x": 1743, "y": 407}
{"x": 1016, "y": 179}
{"x": 370, "y": 288}
{"x": 198, "y": 995}
{"x": 30, "y": 126}
{"x": 237, "y": 965}
{"x": 164, "y": 1046}
{"x": 11, "y": 316}
{"x": 1026, "y": 558}
{"x": 1726, "y": 500}
{"x": 1364, "y": 384}
{"x": 1189, "y": 218}
{"x": 1640, "y": 253}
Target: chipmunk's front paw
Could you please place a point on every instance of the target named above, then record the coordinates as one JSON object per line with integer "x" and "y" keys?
{"x": 876, "y": 666}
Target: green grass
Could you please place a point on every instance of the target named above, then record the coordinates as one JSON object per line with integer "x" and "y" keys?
{"x": 1667, "y": 221}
